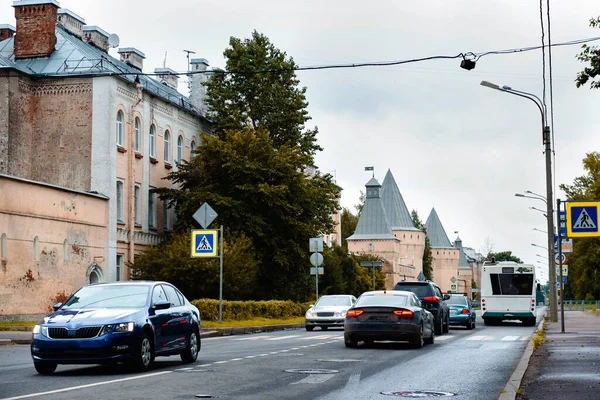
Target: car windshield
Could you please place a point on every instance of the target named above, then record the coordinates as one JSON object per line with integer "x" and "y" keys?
{"x": 334, "y": 301}
{"x": 387, "y": 300}
{"x": 113, "y": 296}
{"x": 421, "y": 290}
{"x": 458, "y": 300}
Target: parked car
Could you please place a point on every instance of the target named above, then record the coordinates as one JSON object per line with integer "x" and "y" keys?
{"x": 130, "y": 322}
{"x": 461, "y": 311}
{"x": 435, "y": 301}
{"x": 388, "y": 315}
{"x": 329, "y": 311}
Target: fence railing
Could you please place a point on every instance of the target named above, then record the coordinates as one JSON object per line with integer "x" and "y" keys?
{"x": 581, "y": 305}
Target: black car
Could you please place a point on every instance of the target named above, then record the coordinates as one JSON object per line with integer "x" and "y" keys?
{"x": 123, "y": 322}
{"x": 388, "y": 315}
{"x": 433, "y": 299}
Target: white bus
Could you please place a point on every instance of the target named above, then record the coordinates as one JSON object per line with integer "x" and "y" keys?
{"x": 508, "y": 292}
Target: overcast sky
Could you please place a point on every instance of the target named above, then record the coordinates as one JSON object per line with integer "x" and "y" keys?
{"x": 450, "y": 143}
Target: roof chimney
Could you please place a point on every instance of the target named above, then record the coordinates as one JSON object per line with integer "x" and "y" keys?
{"x": 197, "y": 89}
{"x": 72, "y": 22}
{"x": 132, "y": 57}
{"x": 96, "y": 36}
{"x": 36, "y": 27}
{"x": 6, "y": 31}
{"x": 168, "y": 77}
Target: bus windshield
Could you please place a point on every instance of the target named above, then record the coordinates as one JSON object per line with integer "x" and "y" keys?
{"x": 512, "y": 284}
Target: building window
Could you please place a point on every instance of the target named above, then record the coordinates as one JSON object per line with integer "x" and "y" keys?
{"x": 192, "y": 146}
{"x": 166, "y": 216}
{"x": 152, "y": 141}
{"x": 3, "y": 247}
{"x": 179, "y": 149}
{"x": 137, "y": 138}
{"x": 136, "y": 204}
{"x": 36, "y": 249}
{"x": 120, "y": 123}
{"x": 151, "y": 209}
{"x": 120, "y": 201}
{"x": 119, "y": 271}
{"x": 66, "y": 251}
{"x": 167, "y": 147}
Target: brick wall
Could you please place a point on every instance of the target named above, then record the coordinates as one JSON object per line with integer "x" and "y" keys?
{"x": 36, "y": 35}
{"x": 50, "y": 123}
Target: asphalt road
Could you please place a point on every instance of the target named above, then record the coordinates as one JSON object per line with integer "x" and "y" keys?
{"x": 292, "y": 364}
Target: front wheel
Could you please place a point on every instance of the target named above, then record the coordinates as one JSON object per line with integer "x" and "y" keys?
{"x": 190, "y": 353}
{"x": 44, "y": 367}
{"x": 145, "y": 354}
{"x": 309, "y": 328}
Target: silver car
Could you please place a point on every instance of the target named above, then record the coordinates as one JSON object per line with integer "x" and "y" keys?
{"x": 329, "y": 311}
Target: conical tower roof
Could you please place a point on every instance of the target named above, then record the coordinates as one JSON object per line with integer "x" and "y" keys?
{"x": 373, "y": 222}
{"x": 435, "y": 231}
{"x": 462, "y": 258}
{"x": 394, "y": 205}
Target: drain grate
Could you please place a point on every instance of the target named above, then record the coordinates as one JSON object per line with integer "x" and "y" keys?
{"x": 312, "y": 371}
{"x": 418, "y": 393}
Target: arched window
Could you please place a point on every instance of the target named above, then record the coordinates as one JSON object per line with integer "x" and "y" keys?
{"x": 152, "y": 141}
{"x": 120, "y": 128}
{"x": 167, "y": 147}
{"x": 179, "y": 149}
{"x": 3, "y": 247}
{"x": 192, "y": 146}
{"x": 94, "y": 274}
{"x": 66, "y": 251}
{"x": 137, "y": 138}
{"x": 36, "y": 249}
{"x": 119, "y": 201}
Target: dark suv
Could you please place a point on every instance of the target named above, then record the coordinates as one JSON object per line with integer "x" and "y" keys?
{"x": 435, "y": 302}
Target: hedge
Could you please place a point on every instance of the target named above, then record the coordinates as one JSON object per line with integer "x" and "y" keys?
{"x": 243, "y": 310}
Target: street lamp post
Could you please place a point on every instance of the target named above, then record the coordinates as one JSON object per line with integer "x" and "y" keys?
{"x": 549, "y": 211}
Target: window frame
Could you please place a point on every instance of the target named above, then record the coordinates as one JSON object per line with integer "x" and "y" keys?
{"x": 120, "y": 128}
{"x": 151, "y": 209}
{"x": 152, "y": 144}
{"x": 137, "y": 138}
{"x": 167, "y": 149}
{"x": 120, "y": 197}
{"x": 137, "y": 203}
{"x": 180, "y": 146}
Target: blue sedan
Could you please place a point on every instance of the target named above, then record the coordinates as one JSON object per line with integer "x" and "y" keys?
{"x": 461, "y": 311}
{"x": 128, "y": 322}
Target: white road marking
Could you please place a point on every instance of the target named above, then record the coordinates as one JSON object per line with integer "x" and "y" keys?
{"x": 524, "y": 338}
{"x": 480, "y": 338}
{"x": 263, "y": 355}
{"x": 442, "y": 338}
{"x": 250, "y": 357}
{"x": 184, "y": 369}
{"x": 236, "y": 359}
{"x": 315, "y": 379}
{"x": 204, "y": 365}
{"x": 26, "y": 396}
{"x": 283, "y": 337}
{"x": 220, "y": 362}
{"x": 254, "y": 337}
{"x": 511, "y": 338}
{"x": 319, "y": 337}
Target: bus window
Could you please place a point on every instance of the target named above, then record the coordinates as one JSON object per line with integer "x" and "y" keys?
{"x": 512, "y": 284}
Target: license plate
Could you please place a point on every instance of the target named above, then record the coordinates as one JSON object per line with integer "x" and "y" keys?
{"x": 378, "y": 319}
{"x": 452, "y": 312}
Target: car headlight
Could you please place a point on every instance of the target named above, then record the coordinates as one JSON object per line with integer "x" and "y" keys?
{"x": 340, "y": 313}
{"x": 125, "y": 327}
{"x": 310, "y": 313}
{"x": 37, "y": 329}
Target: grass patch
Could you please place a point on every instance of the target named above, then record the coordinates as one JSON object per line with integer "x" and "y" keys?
{"x": 251, "y": 322}
{"x": 4, "y": 326}
{"x": 539, "y": 337}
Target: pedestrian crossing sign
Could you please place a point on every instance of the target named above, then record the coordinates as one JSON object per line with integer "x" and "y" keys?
{"x": 582, "y": 218}
{"x": 204, "y": 243}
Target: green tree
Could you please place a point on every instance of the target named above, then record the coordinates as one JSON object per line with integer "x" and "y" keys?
{"x": 584, "y": 261}
{"x": 260, "y": 89}
{"x": 503, "y": 256}
{"x": 591, "y": 56}
{"x": 427, "y": 256}
{"x": 349, "y": 222}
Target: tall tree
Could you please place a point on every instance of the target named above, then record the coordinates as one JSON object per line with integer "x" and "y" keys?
{"x": 504, "y": 256}
{"x": 259, "y": 88}
{"x": 263, "y": 193}
{"x": 427, "y": 256}
{"x": 591, "y": 56}
{"x": 349, "y": 222}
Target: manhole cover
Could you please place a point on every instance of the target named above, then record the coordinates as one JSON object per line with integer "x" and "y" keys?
{"x": 418, "y": 393}
{"x": 312, "y": 371}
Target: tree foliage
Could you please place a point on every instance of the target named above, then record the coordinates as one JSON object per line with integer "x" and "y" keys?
{"x": 348, "y": 222}
{"x": 584, "y": 261}
{"x": 591, "y": 56}
{"x": 260, "y": 89}
{"x": 427, "y": 256}
{"x": 503, "y": 256}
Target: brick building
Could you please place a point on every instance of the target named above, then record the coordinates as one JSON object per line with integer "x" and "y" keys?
{"x": 77, "y": 119}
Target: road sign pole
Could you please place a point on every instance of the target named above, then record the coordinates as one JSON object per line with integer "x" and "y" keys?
{"x": 562, "y": 292}
{"x": 373, "y": 273}
{"x": 317, "y": 284}
{"x": 221, "y": 279}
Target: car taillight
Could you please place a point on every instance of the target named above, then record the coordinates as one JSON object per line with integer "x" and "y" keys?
{"x": 432, "y": 299}
{"x": 353, "y": 313}
{"x": 404, "y": 313}
{"x": 465, "y": 311}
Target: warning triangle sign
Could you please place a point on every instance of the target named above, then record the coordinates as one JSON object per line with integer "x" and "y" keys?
{"x": 204, "y": 245}
{"x": 584, "y": 221}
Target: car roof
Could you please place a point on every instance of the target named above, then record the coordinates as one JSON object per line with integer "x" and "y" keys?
{"x": 129, "y": 283}
{"x": 392, "y": 292}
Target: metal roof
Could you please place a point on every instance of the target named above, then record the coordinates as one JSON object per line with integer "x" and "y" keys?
{"x": 74, "y": 57}
{"x": 462, "y": 259}
{"x": 435, "y": 231}
{"x": 373, "y": 223}
{"x": 394, "y": 205}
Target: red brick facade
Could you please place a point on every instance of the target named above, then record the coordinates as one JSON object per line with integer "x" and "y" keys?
{"x": 36, "y": 36}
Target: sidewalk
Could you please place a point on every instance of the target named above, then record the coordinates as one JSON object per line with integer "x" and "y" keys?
{"x": 22, "y": 335}
{"x": 567, "y": 365}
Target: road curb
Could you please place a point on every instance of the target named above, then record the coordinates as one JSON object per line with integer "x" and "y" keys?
{"x": 514, "y": 382}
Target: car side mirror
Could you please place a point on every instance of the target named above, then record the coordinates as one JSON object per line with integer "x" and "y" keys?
{"x": 539, "y": 287}
{"x": 311, "y": 306}
{"x": 57, "y": 306}
{"x": 161, "y": 305}
{"x": 446, "y": 297}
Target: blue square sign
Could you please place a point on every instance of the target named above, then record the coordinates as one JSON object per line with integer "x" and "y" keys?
{"x": 204, "y": 243}
{"x": 582, "y": 219}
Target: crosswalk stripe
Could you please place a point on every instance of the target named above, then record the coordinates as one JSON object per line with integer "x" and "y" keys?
{"x": 480, "y": 338}
{"x": 442, "y": 338}
{"x": 510, "y": 338}
{"x": 320, "y": 337}
{"x": 524, "y": 338}
{"x": 283, "y": 337}
{"x": 254, "y": 337}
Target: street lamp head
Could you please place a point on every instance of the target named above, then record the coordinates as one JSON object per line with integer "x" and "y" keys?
{"x": 505, "y": 87}
{"x": 519, "y": 195}
{"x": 490, "y": 85}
